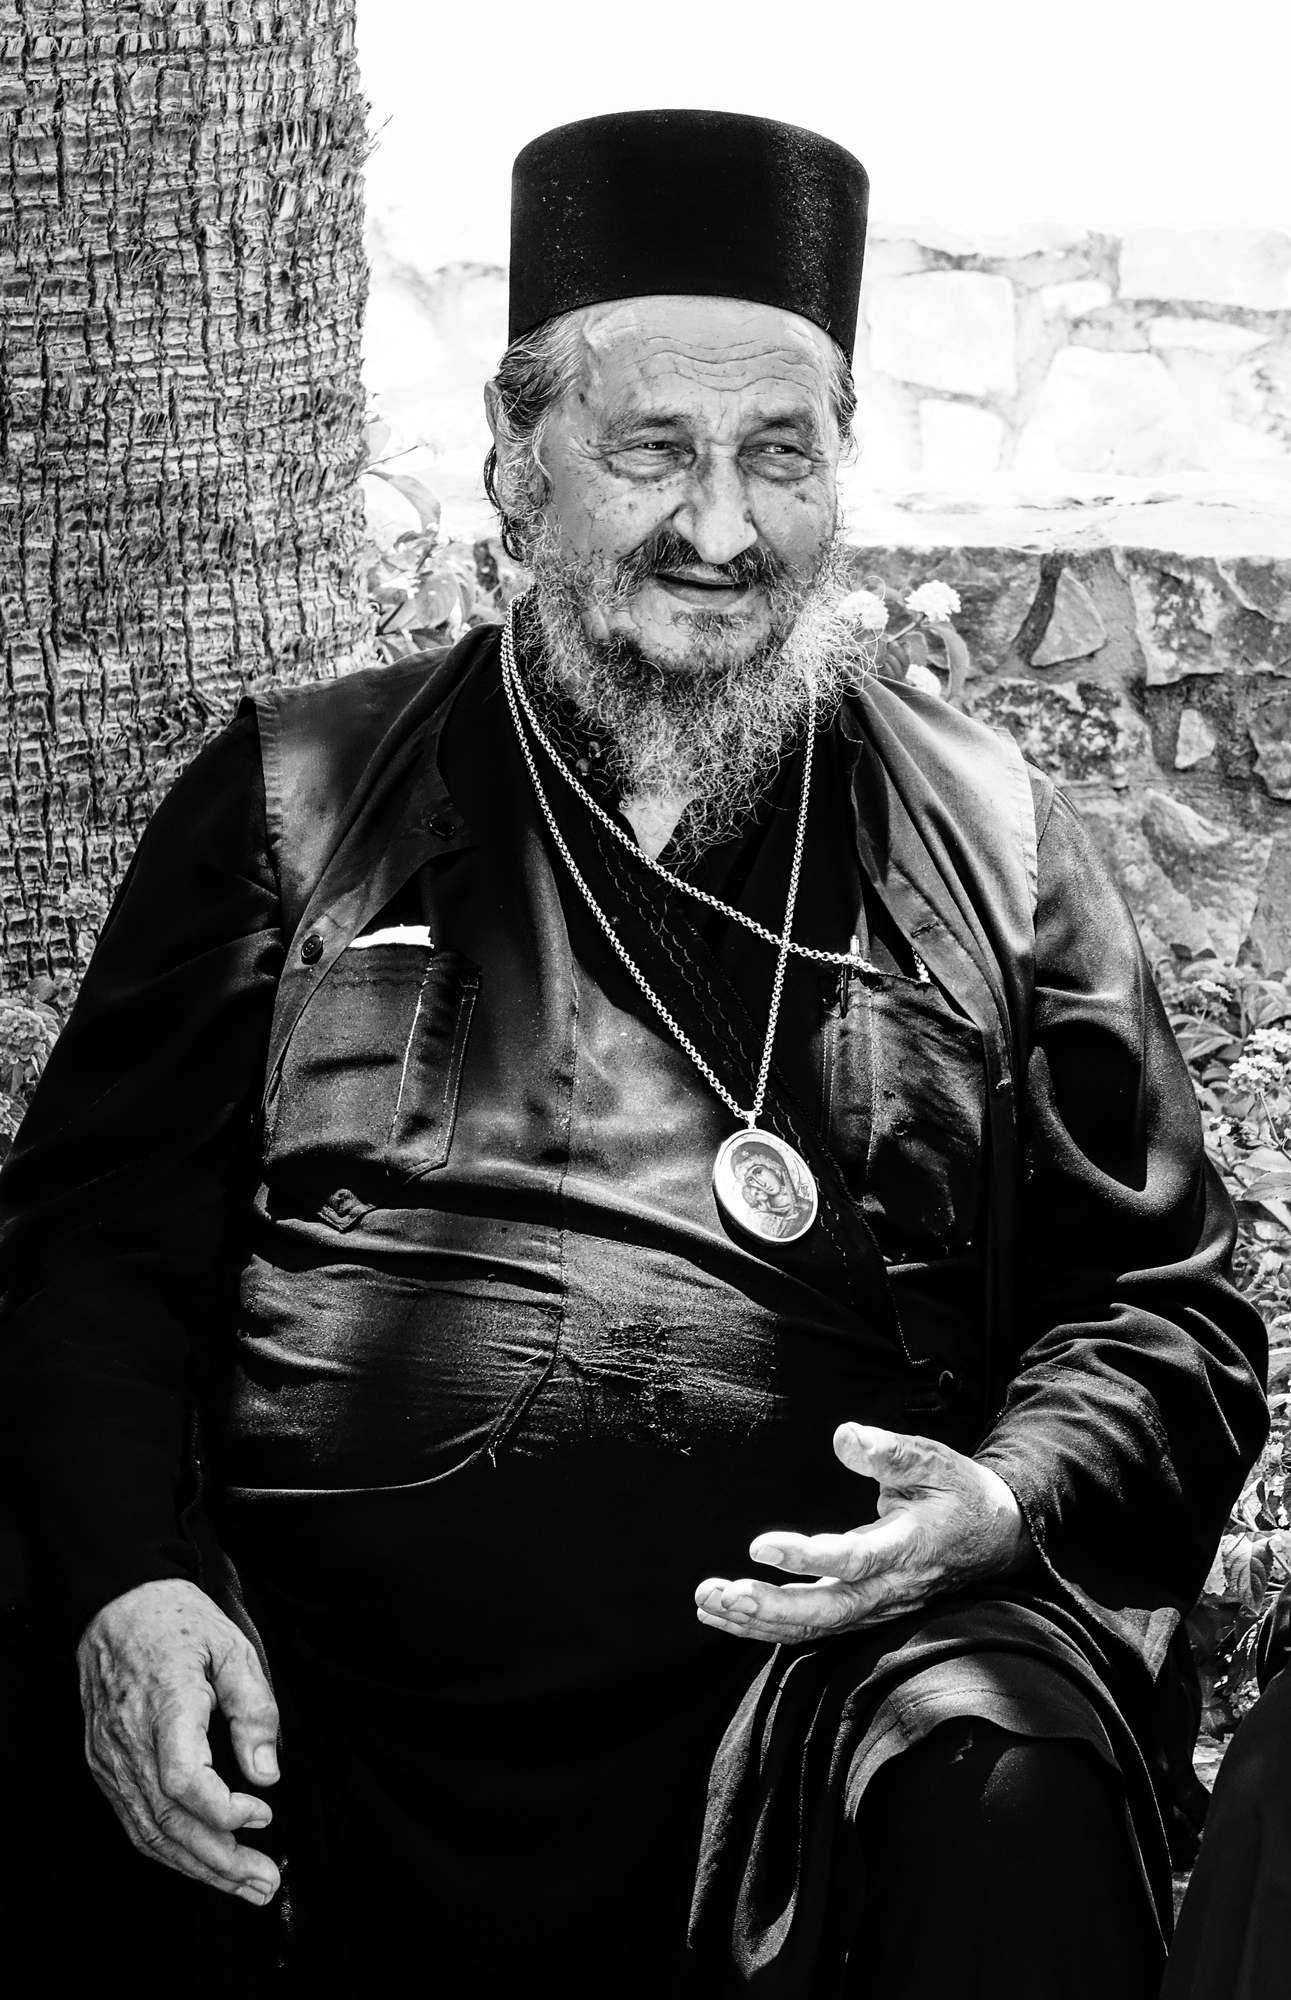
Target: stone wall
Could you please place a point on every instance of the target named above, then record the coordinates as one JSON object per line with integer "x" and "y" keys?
{"x": 1053, "y": 356}
{"x": 1156, "y": 688}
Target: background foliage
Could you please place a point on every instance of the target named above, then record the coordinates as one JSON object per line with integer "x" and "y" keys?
{"x": 1235, "y": 1032}
{"x": 1233, "y": 1027}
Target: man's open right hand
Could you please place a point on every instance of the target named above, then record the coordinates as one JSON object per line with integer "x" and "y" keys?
{"x": 154, "y": 1665}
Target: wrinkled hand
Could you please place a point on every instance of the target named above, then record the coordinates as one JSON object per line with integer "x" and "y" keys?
{"x": 944, "y": 1521}
{"x": 154, "y": 1665}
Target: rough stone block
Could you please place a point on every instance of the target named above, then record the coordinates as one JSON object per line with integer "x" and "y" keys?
{"x": 958, "y": 443}
{"x": 1208, "y": 336}
{"x": 1073, "y": 730}
{"x": 1224, "y": 267}
{"x": 1190, "y": 617}
{"x": 1260, "y": 586}
{"x": 1261, "y": 390}
{"x": 1075, "y": 629}
{"x": 1101, "y": 412}
{"x": 1268, "y": 942}
{"x": 946, "y": 330}
{"x": 1233, "y": 423}
{"x": 1269, "y": 723}
{"x": 1195, "y": 742}
{"x": 1075, "y": 297}
{"x": 1178, "y": 610}
{"x": 1192, "y": 884}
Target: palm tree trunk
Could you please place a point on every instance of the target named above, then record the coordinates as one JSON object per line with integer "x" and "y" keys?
{"x": 181, "y": 297}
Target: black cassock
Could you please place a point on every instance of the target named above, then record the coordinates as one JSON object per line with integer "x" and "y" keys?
{"x": 436, "y": 1363}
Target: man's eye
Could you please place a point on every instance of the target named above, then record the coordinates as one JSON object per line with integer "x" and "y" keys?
{"x": 780, "y": 460}
{"x": 650, "y": 455}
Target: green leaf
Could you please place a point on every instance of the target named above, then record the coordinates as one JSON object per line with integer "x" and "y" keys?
{"x": 1205, "y": 1040}
{"x": 1269, "y": 1186}
{"x": 376, "y": 435}
{"x": 428, "y": 508}
{"x": 1271, "y": 1205}
{"x": 404, "y": 616}
{"x": 1273, "y": 1005}
{"x": 957, "y": 662}
{"x": 437, "y": 599}
{"x": 1246, "y": 1568}
{"x": 1279, "y": 1367}
{"x": 1215, "y": 1579}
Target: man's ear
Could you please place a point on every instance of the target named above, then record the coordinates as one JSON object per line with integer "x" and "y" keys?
{"x": 493, "y": 409}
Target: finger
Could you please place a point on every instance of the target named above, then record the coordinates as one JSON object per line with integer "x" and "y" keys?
{"x": 715, "y": 1589}
{"x": 257, "y": 1886}
{"x": 185, "y": 1776}
{"x": 183, "y": 1835}
{"x": 245, "y": 1697}
{"x": 788, "y": 1614}
{"x": 852, "y": 1558}
{"x": 894, "y": 1458}
{"x": 176, "y": 1840}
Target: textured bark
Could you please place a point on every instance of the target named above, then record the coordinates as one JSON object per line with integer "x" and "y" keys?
{"x": 181, "y": 295}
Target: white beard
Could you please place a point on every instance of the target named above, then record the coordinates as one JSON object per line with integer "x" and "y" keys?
{"x": 713, "y": 737}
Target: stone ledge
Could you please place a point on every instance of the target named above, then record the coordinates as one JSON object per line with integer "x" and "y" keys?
{"x": 1199, "y": 516}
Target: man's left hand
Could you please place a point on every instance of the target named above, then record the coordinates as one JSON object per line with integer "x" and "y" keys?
{"x": 944, "y": 1521}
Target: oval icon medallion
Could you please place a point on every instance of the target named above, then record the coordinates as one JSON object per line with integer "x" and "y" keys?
{"x": 766, "y": 1189}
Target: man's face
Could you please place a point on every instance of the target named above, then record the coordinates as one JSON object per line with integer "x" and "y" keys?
{"x": 704, "y": 419}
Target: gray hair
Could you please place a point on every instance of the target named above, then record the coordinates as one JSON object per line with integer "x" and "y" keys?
{"x": 540, "y": 368}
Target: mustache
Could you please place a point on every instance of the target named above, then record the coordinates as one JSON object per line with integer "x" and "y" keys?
{"x": 665, "y": 552}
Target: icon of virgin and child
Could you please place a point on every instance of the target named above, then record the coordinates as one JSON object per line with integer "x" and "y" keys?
{"x": 780, "y": 1200}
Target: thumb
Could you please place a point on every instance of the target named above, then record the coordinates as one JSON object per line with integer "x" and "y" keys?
{"x": 246, "y": 1699}
{"x": 892, "y": 1457}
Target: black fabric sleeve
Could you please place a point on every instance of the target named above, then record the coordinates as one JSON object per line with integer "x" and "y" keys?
{"x": 1136, "y": 1404}
{"x": 117, "y": 1201}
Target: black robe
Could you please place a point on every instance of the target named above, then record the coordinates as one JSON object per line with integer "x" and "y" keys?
{"x": 485, "y": 1385}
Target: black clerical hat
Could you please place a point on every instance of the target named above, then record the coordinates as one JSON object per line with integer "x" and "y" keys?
{"x": 709, "y": 203}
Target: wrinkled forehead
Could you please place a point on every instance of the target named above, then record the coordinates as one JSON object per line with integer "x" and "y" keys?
{"x": 652, "y": 353}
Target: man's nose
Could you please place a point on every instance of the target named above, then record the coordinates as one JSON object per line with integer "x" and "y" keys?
{"x": 715, "y": 517}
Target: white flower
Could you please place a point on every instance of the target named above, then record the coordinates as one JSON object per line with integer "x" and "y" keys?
{"x": 867, "y": 608}
{"x": 935, "y": 601}
{"x": 1264, "y": 1062}
{"x": 923, "y": 678}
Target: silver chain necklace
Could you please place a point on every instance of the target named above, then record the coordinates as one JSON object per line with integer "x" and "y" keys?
{"x": 763, "y": 1185}
{"x": 854, "y": 959}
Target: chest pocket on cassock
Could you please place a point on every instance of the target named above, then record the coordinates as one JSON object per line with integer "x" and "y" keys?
{"x": 370, "y": 1079}
{"x": 904, "y": 1091}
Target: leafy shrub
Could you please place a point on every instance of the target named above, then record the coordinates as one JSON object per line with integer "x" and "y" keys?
{"x": 425, "y": 592}
{"x": 28, "y": 1030}
{"x": 1235, "y": 1032}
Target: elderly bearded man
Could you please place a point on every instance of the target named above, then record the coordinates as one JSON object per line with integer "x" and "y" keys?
{"x": 391, "y": 1147}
